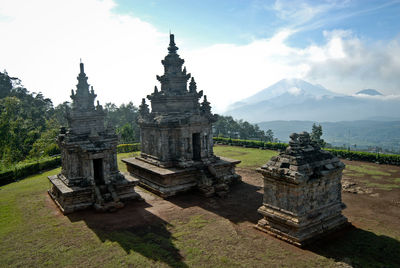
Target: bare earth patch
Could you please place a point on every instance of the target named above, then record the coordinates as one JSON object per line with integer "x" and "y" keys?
{"x": 190, "y": 230}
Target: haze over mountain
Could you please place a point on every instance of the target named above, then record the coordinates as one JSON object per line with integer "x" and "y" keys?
{"x": 362, "y": 133}
{"x": 296, "y": 99}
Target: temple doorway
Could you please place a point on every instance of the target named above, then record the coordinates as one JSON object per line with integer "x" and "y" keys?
{"x": 196, "y": 146}
{"x": 98, "y": 171}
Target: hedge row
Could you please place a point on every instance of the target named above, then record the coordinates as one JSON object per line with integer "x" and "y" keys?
{"x": 390, "y": 159}
{"x": 251, "y": 143}
{"x": 127, "y": 148}
{"x": 24, "y": 170}
{"x": 352, "y": 155}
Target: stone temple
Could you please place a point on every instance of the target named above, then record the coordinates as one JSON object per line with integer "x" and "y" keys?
{"x": 89, "y": 175}
{"x": 302, "y": 192}
{"x": 176, "y": 137}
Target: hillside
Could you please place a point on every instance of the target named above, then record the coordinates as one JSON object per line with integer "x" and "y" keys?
{"x": 363, "y": 133}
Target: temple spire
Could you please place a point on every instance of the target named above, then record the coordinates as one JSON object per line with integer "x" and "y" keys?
{"x": 192, "y": 85}
{"x": 84, "y": 96}
{"x": 144, "y": 110}
{"x": 82, "y": 86}
{"x": 81, "y": 66}
{"x": 205, "y": 106}
{"x": 172, "y": 47}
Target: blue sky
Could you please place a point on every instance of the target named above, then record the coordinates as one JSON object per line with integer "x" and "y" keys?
{"x": 210, "y": 22}
{"x": 233, "y": 48}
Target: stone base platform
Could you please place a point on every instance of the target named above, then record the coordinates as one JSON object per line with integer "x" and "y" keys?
{"x": 210, "y": 178}
{"x": 301, "y": 230}
{"x": 70, "y": 199}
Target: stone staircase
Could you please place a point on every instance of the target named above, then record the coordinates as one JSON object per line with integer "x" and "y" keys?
{"x": 106, "y": 198}
{"x": 211, "y": 184}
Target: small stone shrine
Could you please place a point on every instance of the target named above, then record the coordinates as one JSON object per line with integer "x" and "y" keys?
{"x": 89, "y": 175}
{"x": 176, "y": 137}
{"x": 302, "y": 192}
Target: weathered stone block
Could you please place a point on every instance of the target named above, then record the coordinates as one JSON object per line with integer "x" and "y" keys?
{"x": 305, "y": 203}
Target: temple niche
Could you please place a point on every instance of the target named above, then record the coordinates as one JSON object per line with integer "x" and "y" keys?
{"x": 89, "y": 174}
{"x": 176, "y": 137}
{"x": 302, "y": 192}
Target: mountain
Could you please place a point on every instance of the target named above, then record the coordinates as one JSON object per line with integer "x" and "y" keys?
{"x": 293, "y": 87}
{"x": 295, "y": 99}
{"x": 363, "y": 133}
{"x": 370, "y": 92}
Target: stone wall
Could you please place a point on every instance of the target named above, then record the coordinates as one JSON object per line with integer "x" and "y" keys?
{"x": 302, "y": 192}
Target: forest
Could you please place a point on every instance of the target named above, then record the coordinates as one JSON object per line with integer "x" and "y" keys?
{"x": 30, "y": 123}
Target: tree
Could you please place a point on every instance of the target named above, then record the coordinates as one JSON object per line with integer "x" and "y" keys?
{"x": 226, "y": 126}
{"x": 46, "y": 144}
{"x": 5, "y": 85}
{"x": 23, "y": 117}
{"x": 269, "y": 136}
{"x": 316, "y": 134}
{"x": 122, "y": 115}
{"x": 59, "y": 113}
{"x": 127, "y": 134}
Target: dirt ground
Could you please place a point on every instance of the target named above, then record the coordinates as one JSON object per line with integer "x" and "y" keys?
{"x": 373, "y": 212}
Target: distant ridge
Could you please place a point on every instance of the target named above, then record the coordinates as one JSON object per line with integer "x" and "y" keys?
{"x": 362, "y": 133}
{"x": 296, "y": 99}
{"x": 371, "y": 92}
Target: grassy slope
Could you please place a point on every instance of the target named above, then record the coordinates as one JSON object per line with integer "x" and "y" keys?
{"x": 33, "y": 235}
{"x": 250, "y": 157}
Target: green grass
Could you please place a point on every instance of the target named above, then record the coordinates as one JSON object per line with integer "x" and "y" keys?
{"x": 121, "y": 165}
{"x": 367, "y": 169}
{"x": 381, "y": 186}
{"x": 31, "y": 235}
{"x": 379, "y": 179}
{"x": 250, "y": 157}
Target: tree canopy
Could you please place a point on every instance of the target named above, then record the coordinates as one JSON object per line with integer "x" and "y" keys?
{"x": 316, "y": 134}
{"x": 29, "y": 123}
{"x": 228, "y": 127}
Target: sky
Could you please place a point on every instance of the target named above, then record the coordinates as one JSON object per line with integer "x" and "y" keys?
{"x": 233, "y": 48}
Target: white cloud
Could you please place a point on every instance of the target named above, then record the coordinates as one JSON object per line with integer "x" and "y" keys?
{"x": 304, "y": 14}
{"x": 378, "y": 97}
{"x": 42, "y": 42}
{"x": 353, "y": 65}
{"x": 294, "y": 91}
{"x": 343, "y": 64}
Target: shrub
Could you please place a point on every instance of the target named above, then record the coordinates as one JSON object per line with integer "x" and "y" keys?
{"x": 365, "y": 156}
{"x": 25, "y": 169}
{"x": 353, "y": 155}
{"x": 251, "y": 143}
{"x": 127, "y": 148}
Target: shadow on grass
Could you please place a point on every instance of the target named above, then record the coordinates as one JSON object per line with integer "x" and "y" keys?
{"x": 239, "y": 205}
{"x": 359, "y": 248}
{"x": 135, "y": 230}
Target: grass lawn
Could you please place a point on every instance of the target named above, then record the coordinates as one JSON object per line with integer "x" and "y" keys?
{"x": 250, "y": 157}
{"x": 186, "y": 231}
{"x": 122, "y": 166}
{"x": 374, "y": 175}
